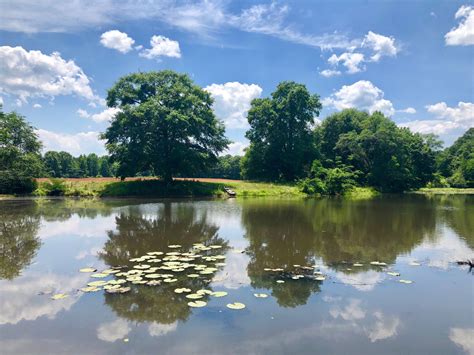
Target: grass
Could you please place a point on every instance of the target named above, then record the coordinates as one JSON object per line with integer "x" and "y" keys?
{"x": 445, "y": 191}
{"x": 361, "y": 193}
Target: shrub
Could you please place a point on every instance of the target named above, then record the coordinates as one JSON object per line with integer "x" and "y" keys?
{"x": 13, "y": 183}
{"x": 54, "y": 187}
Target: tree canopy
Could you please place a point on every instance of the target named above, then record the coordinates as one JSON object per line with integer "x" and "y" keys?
{"x": 165, "y": 125}
{"x": 280, "y": 134}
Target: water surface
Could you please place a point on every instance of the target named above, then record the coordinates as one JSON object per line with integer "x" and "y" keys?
{"x": 356, "y": 309}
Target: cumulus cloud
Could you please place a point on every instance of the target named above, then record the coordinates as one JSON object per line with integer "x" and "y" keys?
{"x": 380, "y": 45}
{"x": 460, "y": 117}
{"x": 352, "y": 61}
{"x": 117, "y": 40}
{"x": 327, "y": 73}
{"x": 76, "y": 144}
{"x": 362, "y": 95}
{"x": 409, "y": 110}
{"x": 37, "y": 106}
{"x": 161, "y": 47}
{"x": 464, "y": 338}
{"x": 113, "y": 331}
{"x": 384, "y": 327}
{"x": 463, "y": 34}
{"x": 237, "y": 148}
{"x": 104, "y": 116}
{"x": 232, "y": 102}
{"x": 28, "y": 74}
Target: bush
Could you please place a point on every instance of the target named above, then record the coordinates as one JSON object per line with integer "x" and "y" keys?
{"x": 54, "y": 187}
{"x": 13, "y": 183}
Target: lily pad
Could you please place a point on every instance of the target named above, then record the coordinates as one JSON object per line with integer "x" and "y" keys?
{"x": 415, "y": 263}
{"x": 260, "y": 295}
{"x": 182, "y": 290}
{"x": 170, "y": 280}
{"x": 90, "y": 289}
{"x": 280, "y": 281}
{"x": 320, "y": 278}
{"x": 174, "y": 246}
{"x": 405, "y": 281}
{"x": 197, "y": 304}
{"x": 219, "y": 293}
{"x": 97, "y": 283}
{"x": 236, "y": 305}
{"x": 99, "y": 275}
{"x": 194, "y": 296}
{"x": 357, "y": 264}
{"x": 59, "y": 296}
{"x": 392, "y": 273}
{"x": 87, "y": 269}
{"x": 142, "y": 266}
{"x": 193, "y": 275}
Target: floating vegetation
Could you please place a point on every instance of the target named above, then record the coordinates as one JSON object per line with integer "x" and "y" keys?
{"x": 405, "y": 281}
{"x": 236, "y": 305}
{"x": 99, "y": 275}
{"x": 378, "y": 263}
{"x": 90, "y": 289}
{"x": 182, "y": 290}
{"x": 280, "y": 281}
{"x": 320, "y": 278}
{"x": 97, "y": 283}
{"x": 87, "y": 269}
{"x": 197, "y": 304}
{"x": 170, "y": 280}
{"x": 174, "y": 246}
{"x": 194, "y": 296}
{"x": 59, "y": 296}
{"x": 392, "y": 273}
{"x": 415, "y": 263}
{"x": 260, "y": 295}
{"x": 219, "y": 293}
{"x": 358, "y": 265}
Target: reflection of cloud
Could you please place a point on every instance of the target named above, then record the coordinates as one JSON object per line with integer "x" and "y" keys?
{"x": 352, "y": 311}
{"x": 158, "y": 329}
{"x": 464, "y": 338}
{"x": 378, "y": 326}
{"x": 234, "y": 275}
{"x": 112, "y": 331}
{"x": 20, "y": 299}
{"x": 384, "y": 327}
{"x": 363, "y": 281}
{"x": 85, "y": 253}
{"x": 76, "y": 225}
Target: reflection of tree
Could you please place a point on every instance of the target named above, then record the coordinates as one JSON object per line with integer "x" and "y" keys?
{"x": 139, "y": 232}
{"x": 280, "y": 236}
{"x": 19, "y": 225}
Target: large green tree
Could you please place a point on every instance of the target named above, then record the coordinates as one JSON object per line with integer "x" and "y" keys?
{"x": 20, "y": 158}
{"x": 165, "y": 125}
{"x": 280, "y": 134}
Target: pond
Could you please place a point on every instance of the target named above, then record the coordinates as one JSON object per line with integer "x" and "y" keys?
{"x": 361, "y": 277}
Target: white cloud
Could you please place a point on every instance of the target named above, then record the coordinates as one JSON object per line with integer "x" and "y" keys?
{"x": 329, "y": 72}
{"x": 380, "y": 45}
{"x": 362, "y": 95}
{"x": 351, "y": 61}
{"x": 463, "y": 34}
{"x": 464, "y": 338}
{"x": 37, "y": 106}
{"x": 113, "y": 331}
{"x": 353, "y": 311}
{"x": 409, "y": 110}
{"x": 232, "y": 102}
{"x": 76, "y": 144}
{"x": 384, "y": 327}
{"x": 104, "y": 116}
{"x": 161, "y": 47}
{"x": 237, "y": 148}
{"x": 158, "y": 329}
{"x": 446, "y": 118}
{"x": 117, "y": 40}
{"x": 28, "y": 74}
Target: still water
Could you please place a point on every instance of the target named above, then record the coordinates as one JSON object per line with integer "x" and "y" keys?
{"x": 349, "y": 306}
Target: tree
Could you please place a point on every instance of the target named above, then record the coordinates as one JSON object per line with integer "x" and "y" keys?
{"x": 165, "y": 124}
{"x": 280, "y": 134}
{"x": 20, "y": 158}
{"x": 92, "y": 165}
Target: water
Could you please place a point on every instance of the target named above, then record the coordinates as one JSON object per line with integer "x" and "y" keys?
{"x": 356, "y": 309}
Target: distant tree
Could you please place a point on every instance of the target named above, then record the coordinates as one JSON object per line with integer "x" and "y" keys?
{"x": 165, "y": 124}
{"x": 280, "y": 134}
{"x": 92, "y": 165}
{"x": 20, "y": 158}
{"x": 105, "y": 168}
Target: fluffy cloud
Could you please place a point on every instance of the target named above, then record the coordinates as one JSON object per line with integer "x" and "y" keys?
{"x": 237, "y": 148}
{"x": 327, "y": 73}
{"x": 28, "y": 74}
{"x": 117, "y": 40}
{"x": 232, "y": 102}
{"x": 161, "y": 47}
{"x": 380, "y": 45}
{"x": 351, "y": 61}
{"x": 37, "y": 106}
{"x": 446, "y": 118}
{"x": 104, "y": 116}
{"x": 158, "y": 329}
{"x": 463, "y": 34}
{"x": 78, "y": 143}
{"x": 464, "y": 338}
{"x": 409, "y": 110}
{"x": 362, "y": 95}
{"x": 113, "y": 331}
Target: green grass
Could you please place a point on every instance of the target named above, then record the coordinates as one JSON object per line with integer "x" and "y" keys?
{"x": 445, "y": 191}
{"x": 361, "y": 193}
{"x": 260, "y": 189}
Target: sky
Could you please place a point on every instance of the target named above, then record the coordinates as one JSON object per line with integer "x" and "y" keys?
{"x": 412, "y": 60}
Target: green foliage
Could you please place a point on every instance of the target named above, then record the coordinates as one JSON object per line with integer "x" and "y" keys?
{"x": 165, "y": 125}
{"x": 20, "y": 158}
{"x": 53, "y": 187}
{"x": 328, "y": 181}
{"x": 456, "y": 163}
{"x": 227, "y": 167}
{"x": 281, "y": 140}
{"x": 64, "y": 165}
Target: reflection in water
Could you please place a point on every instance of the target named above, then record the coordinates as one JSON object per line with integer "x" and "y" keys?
{"x": 138, "y": 232}
{"x": 19, "y": 225}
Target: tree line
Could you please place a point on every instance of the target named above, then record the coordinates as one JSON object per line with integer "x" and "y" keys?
{"x": 165, "y": 127}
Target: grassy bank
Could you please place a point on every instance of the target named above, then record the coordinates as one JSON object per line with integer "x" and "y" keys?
{"x": 445, "y": 191}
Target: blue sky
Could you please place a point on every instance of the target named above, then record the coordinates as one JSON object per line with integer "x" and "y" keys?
{"x": 413, "y": 60}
